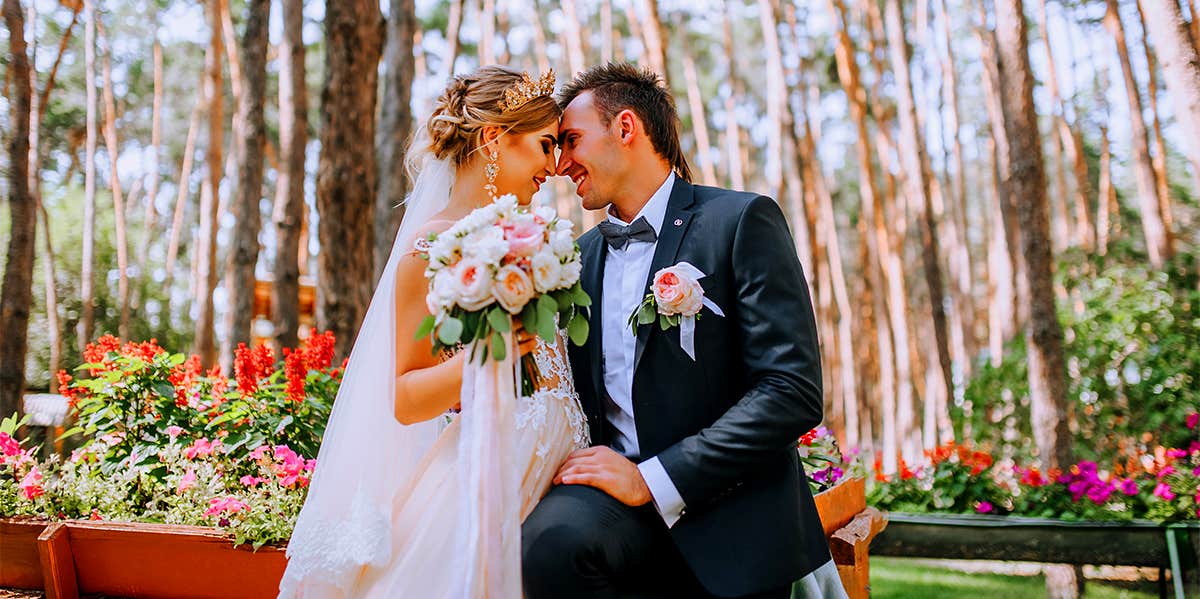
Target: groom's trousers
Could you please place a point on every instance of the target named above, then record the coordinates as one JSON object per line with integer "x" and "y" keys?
{"x": 581, "y": 543}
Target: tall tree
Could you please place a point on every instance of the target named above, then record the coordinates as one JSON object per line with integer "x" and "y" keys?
{"x": 288, "y": 214}
{"x": 918, "y": 178}
{"x": 155, "y": 151}
{"x": 1027, "y": 186}
{"x": 1147, "y": 190}
{"x": 732, "y": 133}
{"x": 16, "y": 295}
{"x": 1181, "y": 68}
{"x": 453, "y": 42}
{"x": 1159, "y": 147}
{"x": 395, "y": 127}
{"x": 87, "y": 276}
{"x": 698, "y": 113}
{"x": 346, "y": 167}
{"x": 655, "y": 37}
{"x": 113, "y": 145}
{"x": 249, "y": 146}
{"x": 206, "y": 250}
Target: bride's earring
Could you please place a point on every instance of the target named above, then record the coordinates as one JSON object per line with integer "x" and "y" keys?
{"x": 491, "y": 170}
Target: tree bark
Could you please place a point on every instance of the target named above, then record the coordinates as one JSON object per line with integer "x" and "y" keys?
{"x": 916, "y": 162}
{"x": 16, "y": 295}
{"x": 453, "y": 26}
{"x": 346, "y": 169}
{"x": 249, "y": 147}
{"x": 698, "y": 114}
{"x": 113, "y": 146}
{"x": 733, "y": 146}
{"x": 288, "y": 213}
{"x": 1027, "y": 186}
{"x": 776, "y": 98}
{"x": 1147, "y": 190}
{"x": 572, "y": 37}
{"x": 1107, "y": 200}
{"x": 395, "y": 128}
{"x": 206, "y": 250}
{"x": 87, "y": 276}
{"x": 155, "y": 150}
{"x": 655, "y": 37}
{"x": 1181, "y": 69}
{"x": 1159, "y": 159}
{"x": 182, "y": 187}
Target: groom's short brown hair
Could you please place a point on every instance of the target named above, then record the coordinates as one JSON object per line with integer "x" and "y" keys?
{"x": 618, "y": 86}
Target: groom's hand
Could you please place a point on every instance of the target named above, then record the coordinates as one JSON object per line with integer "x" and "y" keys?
{"x": 607, "y": 470}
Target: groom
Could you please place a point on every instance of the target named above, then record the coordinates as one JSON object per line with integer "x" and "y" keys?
{"x": 693, "y": 487}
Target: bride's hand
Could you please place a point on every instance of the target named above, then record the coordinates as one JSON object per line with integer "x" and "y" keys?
{"x": 526, "y": 341}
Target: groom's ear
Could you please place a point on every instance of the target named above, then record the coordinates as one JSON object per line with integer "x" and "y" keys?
{"x": 627, "y": 125}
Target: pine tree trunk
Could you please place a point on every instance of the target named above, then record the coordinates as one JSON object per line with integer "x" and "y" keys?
{"x": 87, "y": 274}
{"x": 1107, "y": 201}
{"x": 698, "y": 114}
{"x": 36, "y": 111}
{"x": 453, "y": 26}
{"x": 1147, "y": 190}
{"x": 148, "y": 220}
{"x": 733, "y": 149}
{"x": 346, "y": 168}
{"x": 1027, "y": 186}
{"x": 918, "y": 177}
{"x": 573, "y": 37}
{"x": 776, "y": 99}
{"x": 607, "y": 31}
{"x": 181, "y": 194}
{"x": 113, "y": 145}
{"x": 395, "y": 127}
{"x": 249, "y": 147}
{"x": 1181, "y": 69}
{"x": 16, "y": 294}
{"x": 655, "y": 37}
{"x": 288, "y": 214}
{"x": 206, "y": 250}
{"x": 1159, "y": 161}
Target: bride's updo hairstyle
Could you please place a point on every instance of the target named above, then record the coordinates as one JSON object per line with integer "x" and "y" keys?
{"x": 474, "y": 101}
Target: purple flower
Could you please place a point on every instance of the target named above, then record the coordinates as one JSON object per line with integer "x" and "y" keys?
{"x": 1129, "y": 487}
{"x": 1176, "y": 453}
{"x": 1099, "y": 493}
{"x": 984, "y": 507}
{"x": 1169, "y": 470}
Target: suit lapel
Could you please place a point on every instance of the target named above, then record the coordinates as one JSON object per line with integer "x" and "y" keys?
{"x": 674, "y": 225}
{"x": 592, "y": 279}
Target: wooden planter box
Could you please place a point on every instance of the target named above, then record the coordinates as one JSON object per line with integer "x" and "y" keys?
{"x": 133, "y": 560}
{"x": 20, "y": 566}
{"x": 851, "y": 527}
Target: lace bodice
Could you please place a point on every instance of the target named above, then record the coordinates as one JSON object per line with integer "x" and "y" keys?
{"x": 555, "y": 390}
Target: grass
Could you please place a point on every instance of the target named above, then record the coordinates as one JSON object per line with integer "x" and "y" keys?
{"x": 897, "y": 578}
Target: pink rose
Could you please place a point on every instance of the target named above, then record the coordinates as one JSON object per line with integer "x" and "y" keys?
{"x": 525, "y": 237}
{"x": 513, "y": 288}
{"x": 473, "y": 283}
{"x": 676, "y": 292}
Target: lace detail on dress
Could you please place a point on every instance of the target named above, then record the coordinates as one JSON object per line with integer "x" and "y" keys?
{"x": 557, "y": 389}
{"x": 333, "y": 549}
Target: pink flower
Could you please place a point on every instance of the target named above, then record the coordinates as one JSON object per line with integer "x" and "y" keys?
{"x": 9, "y": 445}
{"x": 525, "y": 237}
{"x": 1163, "y": 490}
{"x": 174, "y": 431}
{"x": 1193, "y": 419}
{"x": 1176, "y": 453}
{"x": 984, "y": 507}
{"x": 31, "y": 484}
{"x": 513, "y": 288}
{"x": 95, "y": 515}
{"x": 1165, "y": 472}
{"x": 251, "y": 481}
{"x": 221, "y": 505}
{"x": 201, "y": 448}
{"x": 186, "y": 482}
{"x": 472, "y": 284}
{"x": 259, "y": 452}
{"x": 677, "y": 292}
{"x": 1129, "y": 487}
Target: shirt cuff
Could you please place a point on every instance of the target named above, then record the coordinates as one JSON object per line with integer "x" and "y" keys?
{"x": 666, "y": 497}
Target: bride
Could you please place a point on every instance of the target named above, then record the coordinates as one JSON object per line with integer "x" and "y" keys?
{"x": 408, "y": 500}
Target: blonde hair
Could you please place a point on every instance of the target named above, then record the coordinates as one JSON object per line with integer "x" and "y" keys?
{"x": 470, "y": 103}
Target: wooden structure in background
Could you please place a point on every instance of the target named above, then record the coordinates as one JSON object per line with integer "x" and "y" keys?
{"x": 263, "y": 310}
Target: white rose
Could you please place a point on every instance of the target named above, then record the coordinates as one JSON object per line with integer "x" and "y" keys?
{"x": 546, "y": 213}
{"x": 486, "y": 244}
{"x": 677, "y": 292}
{"x": 472, "y": 284}
{"x": 444, "y": 249}
{"x": 441, "y": 292}
{"x": 562, "y": 243}
{"x": 513, "y": 288}
{"x": 570, "y": 273}
{"x": 547, "y": 272}
{"x": 505, "y": 203}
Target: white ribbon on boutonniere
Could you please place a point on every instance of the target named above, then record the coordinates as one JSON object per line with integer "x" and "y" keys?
{"x": 675, "y": 298}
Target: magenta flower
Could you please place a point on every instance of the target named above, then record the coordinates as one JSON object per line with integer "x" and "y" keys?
{"x": 1129, "y": 487}
{"x": 9, "y": 445}
{"x": 202, "y": 447}
{"x": 251, "y": 481}
{"x": 1099, "y": 493}
{"x": 188, "y": 481}
{"x": 31, "y": 484}
{"x": 1165, "y": 472}
{"x": 984, "y": 507}
{"x": 1176, "y": 453}
{"x": 1163, "y": 490}
{"x": 1193, "y": 419}
{"x": 259, "y": 452}
{"x": 221, "y": 505}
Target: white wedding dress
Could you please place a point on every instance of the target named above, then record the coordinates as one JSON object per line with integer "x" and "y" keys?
{"x": 549, "y": 426}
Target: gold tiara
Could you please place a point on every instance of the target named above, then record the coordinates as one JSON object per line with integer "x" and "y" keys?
{"x": 525, "y": 90}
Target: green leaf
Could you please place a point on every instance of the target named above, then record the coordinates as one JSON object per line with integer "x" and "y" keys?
{"x": 546, "y": 307}
{"x": 580, "y": 296}
{"x": 499, "y": 320}
{"x": 164, "y": 389}
{"x": 577, "y": 330}
{"x": 498, "y": 350}
{"x": 450, "y": 331}
{"x": 646, "y": 314}
{"x": 565, "y": 299}
{"x": 426, "y": 327}
{"x": 664, "y": 322}
{"x": 529, "y": 316}
{"x": 70, "y": 433}
{"x": 286, "y": 420}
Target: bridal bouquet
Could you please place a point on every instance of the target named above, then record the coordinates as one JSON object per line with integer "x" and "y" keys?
{"x": 501, "y": 262}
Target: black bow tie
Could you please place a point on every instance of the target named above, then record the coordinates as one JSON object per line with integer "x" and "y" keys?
{"x": 618, "y": 236}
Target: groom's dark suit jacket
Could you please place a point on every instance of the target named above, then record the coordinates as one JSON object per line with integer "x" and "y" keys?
{"x": 725, "y": 425}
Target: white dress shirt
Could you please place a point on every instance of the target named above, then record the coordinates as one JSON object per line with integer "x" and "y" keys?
{"x": 625, "y": 273}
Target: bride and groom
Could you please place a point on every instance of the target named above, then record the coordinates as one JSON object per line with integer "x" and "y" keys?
{"x": 652, "y": 461}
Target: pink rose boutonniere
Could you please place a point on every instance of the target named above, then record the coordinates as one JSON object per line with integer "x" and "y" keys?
{"x": 675, "y": 299}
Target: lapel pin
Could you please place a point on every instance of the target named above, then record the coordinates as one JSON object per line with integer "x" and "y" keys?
{"x": 678, "y": 222}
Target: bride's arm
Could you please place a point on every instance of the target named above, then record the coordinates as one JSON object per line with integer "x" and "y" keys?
{"x": 425, "y": 387}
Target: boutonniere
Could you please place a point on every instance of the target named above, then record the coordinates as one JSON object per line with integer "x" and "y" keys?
{"x": 675, "y": 299}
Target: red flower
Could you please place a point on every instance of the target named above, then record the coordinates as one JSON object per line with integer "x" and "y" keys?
{"x": 66, "y": 390}
{"x": 319, "y": 350}
{"x": 295, "y": 369}
{"x": 97, "y": 353}
{"x": 250, "y": 365}
{"x": 182, "y": 377}
{"x": 905, "y": 473}
{"x": 809, "y": 437}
